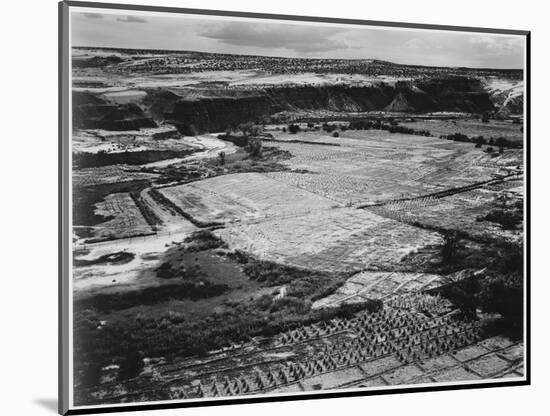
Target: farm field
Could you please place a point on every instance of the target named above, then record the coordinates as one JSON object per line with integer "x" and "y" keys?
{"x": 248, "y": 225}
{"x": 398, "y": 345}
{"x": 243, "y": 196}
{"x": 363, "y": 217}
{"x": 127, "y": 220}
{"x": 374, "y": 166}
{"x": 338, "y": 239}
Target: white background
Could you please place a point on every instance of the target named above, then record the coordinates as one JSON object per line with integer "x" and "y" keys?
{"x": 28, "y": 150}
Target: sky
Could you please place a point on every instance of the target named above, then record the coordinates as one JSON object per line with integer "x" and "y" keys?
{"x": 97, "y": 27}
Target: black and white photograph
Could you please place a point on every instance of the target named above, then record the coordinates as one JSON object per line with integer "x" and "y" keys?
{"x": 263, "y": 207}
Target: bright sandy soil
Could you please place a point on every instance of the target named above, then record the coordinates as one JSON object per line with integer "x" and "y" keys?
{"x": 210, "y": 144}
{"x": 146, "y": 249}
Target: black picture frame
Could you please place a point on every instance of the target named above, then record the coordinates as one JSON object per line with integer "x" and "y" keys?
{"x": 64, "y": 225}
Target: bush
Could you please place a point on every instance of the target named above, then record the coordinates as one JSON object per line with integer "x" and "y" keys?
{"x": 450, "y": 248}
{"x": 335, "y": 134}
{"x": 221, "y": 158}
{"x": 290, "y": 304}
{"x": 250, "y": 129}
{"x": 508, "y": 219}
{"x": 329, "y": 128}
{"x": 457, "y": 137}
{"x": 203, "y": 240}
{"x": 504, "y": 295}
{"x": 293, "y": 128}
{"x": 254, "y": 148}
{"x": 479, "y": 140}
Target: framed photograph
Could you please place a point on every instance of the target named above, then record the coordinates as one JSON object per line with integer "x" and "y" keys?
{"x": 268, "y": 207}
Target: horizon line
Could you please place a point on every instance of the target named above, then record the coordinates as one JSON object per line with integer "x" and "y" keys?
{"x": 292, "y": 57}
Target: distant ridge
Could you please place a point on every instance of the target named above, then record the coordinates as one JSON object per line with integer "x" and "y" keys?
{"x": 379, "y": 62}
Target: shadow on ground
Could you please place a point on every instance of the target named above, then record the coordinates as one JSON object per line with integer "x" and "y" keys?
{"x": 49, "y": 404}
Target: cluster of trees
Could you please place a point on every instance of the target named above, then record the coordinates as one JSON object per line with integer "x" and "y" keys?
{"x": 498, "y": 290}
{"x": 392, "y": 127}
{"x": 249, "y": 139}
{"x": 293, "y": 128}
{"x": 479, "y": 141}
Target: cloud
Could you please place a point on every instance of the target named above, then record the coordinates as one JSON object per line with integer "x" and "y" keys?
{"x": 131, "y": 19}
{"x": 93, "y": 15}
{"x": 496, "y": 44}
{"x": 303, "y": 39}
{"x": 416, "y": 43}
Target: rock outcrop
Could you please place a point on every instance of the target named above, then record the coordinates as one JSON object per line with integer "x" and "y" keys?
{"x": 92, "y": 112}
{"x": 219, "y": 113}
{"x": 217, "y": 110}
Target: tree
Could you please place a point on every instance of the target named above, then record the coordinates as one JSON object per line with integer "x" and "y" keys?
{"x": 254, "y": 147}
{"x": 250, "y": 129}
{"x": 501, "y": 142}
{"x": 221, "y": 158}
{"x": 293, "y": 128}
{"x": 479, "y": 141}
{"x": 504, "y": 295}
{"x": 485, "y": 117}
{"x": 449, "y": 248}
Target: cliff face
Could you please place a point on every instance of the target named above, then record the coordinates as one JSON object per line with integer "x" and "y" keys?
{"x": 222, "y": 110}
{"x": 91, "y": 112}
{"x": 216, "y": 114}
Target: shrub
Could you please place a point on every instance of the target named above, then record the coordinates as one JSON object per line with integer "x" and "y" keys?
{"x": 462, "y": 295}
{"x": 504, "y": 295}
{"x": 254, "y": 147}
{"x": 293, "y": 128}
{"x": 290, "y": 304}
{"x": 203, "y": 240}
{"x": 329, "y": 128}
{"x": 264, "y": 302}
{"x": 335, "y": 134}
{"x": 250, "y": 129}
{"x": 479, "y": 140}
{"x": 508, "y": 219}
{"x": 449, "y": 248}
{"x": 221, "y": 158}
{"x": 457, "y": 137}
